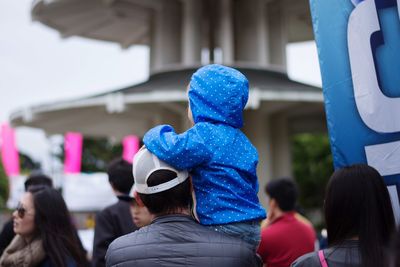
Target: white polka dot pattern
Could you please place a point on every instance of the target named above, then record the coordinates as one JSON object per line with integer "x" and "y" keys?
{"x": 220, "y": 158}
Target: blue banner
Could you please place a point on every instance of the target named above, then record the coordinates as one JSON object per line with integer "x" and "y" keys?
{"x": 359, "y": 52}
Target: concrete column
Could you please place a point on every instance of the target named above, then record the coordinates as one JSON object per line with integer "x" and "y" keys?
{"x": 258, "y": 131}
{"x": 245, "y": 33}
{"x": 191, "y": 32}
{"x": 251, "y": 32}
{"x": 226, "y": 33}
{"x": 156, "y": 41}
{"x": 262, "y": 33}
{"x": 166, "y": 39}
{"x": 277, "y": 33}
{"x": 281, "y": 147}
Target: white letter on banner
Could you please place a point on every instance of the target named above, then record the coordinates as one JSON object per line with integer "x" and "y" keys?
{"x": 378, "y": 112}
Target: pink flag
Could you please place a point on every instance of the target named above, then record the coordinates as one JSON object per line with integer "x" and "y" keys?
{"x": 9, "y": 153}
{"x": 73, "y": 152}
{"x": 130, "y": 145}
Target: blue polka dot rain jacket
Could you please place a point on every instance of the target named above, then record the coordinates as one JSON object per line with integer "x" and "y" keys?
{"x": 220, "y": 158}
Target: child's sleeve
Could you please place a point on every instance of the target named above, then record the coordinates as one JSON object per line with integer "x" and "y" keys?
{"x": 183, "y": 151}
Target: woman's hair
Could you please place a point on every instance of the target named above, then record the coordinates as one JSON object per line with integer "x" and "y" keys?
{"x": 357, "y": 204}
{"x": 53, "y": 225}
{"x": 394, "y": 251}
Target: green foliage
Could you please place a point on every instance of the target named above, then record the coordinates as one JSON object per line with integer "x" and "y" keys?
{"x": 27, "y": 164}
{"x": 3, "y": 187}
{"x": 312, "y": 167}
{"x": 97, "y": 153}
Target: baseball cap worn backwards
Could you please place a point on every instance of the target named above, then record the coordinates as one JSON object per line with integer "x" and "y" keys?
{"x": 145, "y": 164}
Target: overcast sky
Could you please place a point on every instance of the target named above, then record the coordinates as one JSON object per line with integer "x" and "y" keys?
{"x": 38, "y": 66}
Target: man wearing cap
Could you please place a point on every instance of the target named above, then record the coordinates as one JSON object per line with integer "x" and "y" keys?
{"x": 173, "y": 238}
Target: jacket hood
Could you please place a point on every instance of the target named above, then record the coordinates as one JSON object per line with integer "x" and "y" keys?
{"x": 218, "y": 94}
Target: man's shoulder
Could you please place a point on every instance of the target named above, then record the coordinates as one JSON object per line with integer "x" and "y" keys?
{"x": 151, "y": 233}
{"x": 109, "y": 207}
{"x": 307, "y": 260}
{"x": 290, "y": 222}
{"x": 174, "y": 230}
{"x": 124, "y": 241}
{"x": 114, "y": 208}
{"x": 176, "y": 237}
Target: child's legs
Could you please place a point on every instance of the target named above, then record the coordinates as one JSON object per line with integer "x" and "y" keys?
{"x": 249, "y": 232}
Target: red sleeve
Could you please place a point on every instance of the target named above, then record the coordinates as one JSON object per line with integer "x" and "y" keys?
{"x": 262, "y": 248}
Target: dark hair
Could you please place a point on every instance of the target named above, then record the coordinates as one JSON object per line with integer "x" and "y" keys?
{"x": 284, "y": 191}
{"x": 394, "y": 251}
{"x": 38, "y": 179}
{"x": 169, "y": 201}
{"x": 120, "y": 175}
{"x": 53, "y": 225}
{"x": 357, "y": 204}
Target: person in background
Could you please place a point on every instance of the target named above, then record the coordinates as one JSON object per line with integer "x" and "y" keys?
{"x": 359, "y": 220}
{"x": 115, "y": 220}
{"x": 141, "y": 215}
{"x": 173, "y": 238}
{"x": 45, "y": 236}
{"x": 7, "y": 234}
{"x": 285, "y": 237}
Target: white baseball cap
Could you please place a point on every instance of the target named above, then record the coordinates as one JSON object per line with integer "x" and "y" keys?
{"x": 144, "y": 164}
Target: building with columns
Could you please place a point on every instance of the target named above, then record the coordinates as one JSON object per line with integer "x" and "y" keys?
{"x": 250, "y": 35}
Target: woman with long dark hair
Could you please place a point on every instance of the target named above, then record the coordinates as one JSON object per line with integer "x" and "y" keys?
{"x": 45, "y": 235}
{"x": 359, "y": 220}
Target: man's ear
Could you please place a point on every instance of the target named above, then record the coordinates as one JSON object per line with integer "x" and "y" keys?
{"x": 138, "y": 199}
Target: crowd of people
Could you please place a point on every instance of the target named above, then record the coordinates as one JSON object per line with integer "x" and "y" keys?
{"x": 190, "y": 199}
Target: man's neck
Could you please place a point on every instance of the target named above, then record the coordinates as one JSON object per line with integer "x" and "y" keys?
{"x": 277, "y": 214}
{"x": 182, "y": 211}
{"x": 117, "y": 193}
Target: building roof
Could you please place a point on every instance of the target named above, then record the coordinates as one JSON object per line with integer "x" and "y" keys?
{"x": 101, "y": 20}
{"x": 262, "y": 79}
{"x": 136, "y": 108}
{"x": 128, "y": 22}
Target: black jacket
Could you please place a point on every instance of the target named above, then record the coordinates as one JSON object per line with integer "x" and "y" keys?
{"x": 111, "y": 223}
{"x": 177, "y": 240}
{"x": 345, "y": 254}
{"x": 6, "y": 235}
